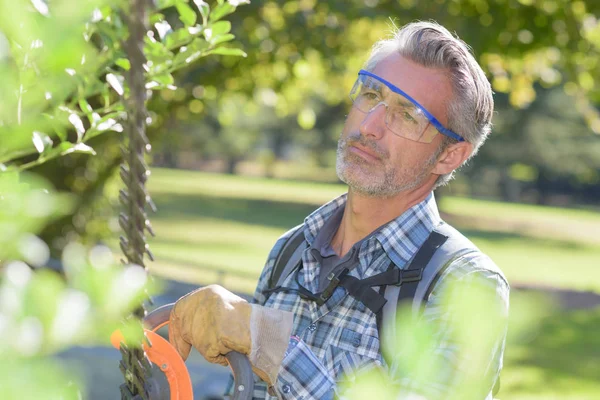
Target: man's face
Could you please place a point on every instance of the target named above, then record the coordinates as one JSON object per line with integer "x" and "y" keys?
{"x": 374, "y": 161}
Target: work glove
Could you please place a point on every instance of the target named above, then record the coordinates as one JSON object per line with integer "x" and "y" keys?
{"x": 216, "y": 321}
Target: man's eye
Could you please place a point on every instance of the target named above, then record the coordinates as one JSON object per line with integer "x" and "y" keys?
{"x": 407, "y": 116}
{"x": 370, "y": 95}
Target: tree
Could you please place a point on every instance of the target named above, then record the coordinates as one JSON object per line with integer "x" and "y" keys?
{"x": 302, "y": 60}
{"x": 303, "y": 57}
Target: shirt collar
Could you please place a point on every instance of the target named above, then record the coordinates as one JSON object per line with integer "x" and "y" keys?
{"x": 403, "y": 236}
{"x": 322, "y": 240}
{"x": 400, "y": 238}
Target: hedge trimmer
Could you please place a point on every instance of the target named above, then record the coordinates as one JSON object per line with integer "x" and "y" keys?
{"x": 153, "y": 370}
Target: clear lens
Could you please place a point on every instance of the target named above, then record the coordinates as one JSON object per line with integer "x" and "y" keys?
{"x": 402, "y": 116}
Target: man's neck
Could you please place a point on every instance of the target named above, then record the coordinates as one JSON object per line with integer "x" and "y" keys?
{"x": 364, "y": 214}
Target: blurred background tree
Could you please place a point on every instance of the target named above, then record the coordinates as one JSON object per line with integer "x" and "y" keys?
{"x": 541, "y": 57}
{"x": 279, "y": 111}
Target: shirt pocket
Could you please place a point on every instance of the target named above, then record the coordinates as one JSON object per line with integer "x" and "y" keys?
{"x": 353, "y": 351}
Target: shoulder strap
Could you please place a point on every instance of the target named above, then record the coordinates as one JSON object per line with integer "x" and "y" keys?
{"x": 443, "y": 245}
{"x": 437, "y": 260}
{"x": 422, "y": 261}
{"x": 394, "y": 294}
{"x": 289, "y": 256}
{"x": 456, "y": 246}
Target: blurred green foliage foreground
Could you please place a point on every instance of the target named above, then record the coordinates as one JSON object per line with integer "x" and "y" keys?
{"x": 42, "y": 312}
{"x": 64, "y": 87}
{"x": 220, "y": 228}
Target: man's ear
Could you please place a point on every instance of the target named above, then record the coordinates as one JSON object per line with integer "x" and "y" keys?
{"x": 452, "y": 157}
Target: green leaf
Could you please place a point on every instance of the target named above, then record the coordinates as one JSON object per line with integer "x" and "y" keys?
{"x": 178, "y": 38}
{"x": 186, "y": 14}
{"x": 220, "y": 11}
{"x": 163, "y": 28}
{"x": 87, "y": 109}
{"x": 222, "y": 39}
{"x": 77, "y": 123}
{"x": 204, "y": 9}
{"x": 123, "y": 63}
{"x": 41, "y": 7}
{"x": 162, "y": 4}
{"x": 155, "y": 17}
{"x": 57, "y": 125}
{"x": 213, "y": 31}
{"x": 109, "y": 122}
{"x": 116, "y": 82}
{"x": 8, "y": 177}
{"x": 78, "y": 148}
{"x": 194, "y": 51}
{"x": 63, "y": 149}
{"x": 156, "y": 52}
{"x": 164, "y": 79}
{"x": 228, "y": 51}
{"x": 41, "y": 141}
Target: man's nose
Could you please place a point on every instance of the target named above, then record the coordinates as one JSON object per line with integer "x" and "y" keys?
{"x": 373, "y": 123}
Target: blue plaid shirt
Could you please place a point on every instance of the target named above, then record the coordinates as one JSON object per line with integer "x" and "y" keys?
{"x": 332, "y": 342}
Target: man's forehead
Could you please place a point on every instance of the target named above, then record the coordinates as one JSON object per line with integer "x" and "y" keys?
{"x": 381, "y": 87}
{"x": 430, "y": 87}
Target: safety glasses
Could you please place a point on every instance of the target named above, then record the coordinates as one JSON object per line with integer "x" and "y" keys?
{"x": 404, "y": 116}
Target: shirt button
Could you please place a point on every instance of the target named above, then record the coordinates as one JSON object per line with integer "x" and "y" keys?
{"x": 286, "y": 389}
{"x": 312, "y": 327}
{"x": 356, "y": 342}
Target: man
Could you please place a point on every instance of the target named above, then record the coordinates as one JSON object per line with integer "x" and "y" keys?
{"x": 421, "y": 108}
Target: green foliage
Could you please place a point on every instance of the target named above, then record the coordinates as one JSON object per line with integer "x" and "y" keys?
{"x": 64, "y": 71}
{"x": 290, "y": 92}
{"x": 478, "y": 320}
{"x": 63, "y": 87}
{"x": 42, "y": 312}
{"x": 27, "y": 203}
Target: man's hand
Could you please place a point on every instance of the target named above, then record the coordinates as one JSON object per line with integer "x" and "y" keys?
{"x": 216, "y": 321}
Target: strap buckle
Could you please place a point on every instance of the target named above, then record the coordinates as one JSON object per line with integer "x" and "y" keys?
{"x": 410, "y": 275}
{"x": 334, "y": 281}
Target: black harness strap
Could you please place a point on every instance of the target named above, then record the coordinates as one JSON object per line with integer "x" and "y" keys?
{"x": 289, "y": 247}
{"x": 361, "y": 289}
{"x": 420, "y": 261}
{"x": 409, "y": 279}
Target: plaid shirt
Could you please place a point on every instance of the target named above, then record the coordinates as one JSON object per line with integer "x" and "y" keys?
{"x": 332, "y": 342}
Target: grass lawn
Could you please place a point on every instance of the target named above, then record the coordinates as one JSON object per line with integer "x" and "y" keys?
{"x": 208, "y": 221}
{"x": 551, "y": 354}
{"x": 216, "y": 228}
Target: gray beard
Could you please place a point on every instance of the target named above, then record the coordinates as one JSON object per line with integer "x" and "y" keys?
{"x": 353, "y": 170}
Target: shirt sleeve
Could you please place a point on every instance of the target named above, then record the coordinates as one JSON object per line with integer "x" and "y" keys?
{"x": 466, "y": 317}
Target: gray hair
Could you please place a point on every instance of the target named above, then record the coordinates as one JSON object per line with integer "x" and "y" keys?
{"x": 431, "y": 45}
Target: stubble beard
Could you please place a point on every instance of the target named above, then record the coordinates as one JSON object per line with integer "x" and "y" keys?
{"x": 376, "y": 179}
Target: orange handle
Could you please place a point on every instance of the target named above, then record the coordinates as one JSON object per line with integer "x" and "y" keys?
{"x": 161, "y": 353}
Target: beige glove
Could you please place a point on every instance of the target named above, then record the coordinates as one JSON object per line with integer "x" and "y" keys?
{"x": 216, "y": 321}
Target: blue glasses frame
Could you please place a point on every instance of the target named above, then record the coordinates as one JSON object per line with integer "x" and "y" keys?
{"x": 441, "y": 129}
